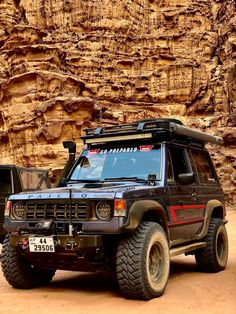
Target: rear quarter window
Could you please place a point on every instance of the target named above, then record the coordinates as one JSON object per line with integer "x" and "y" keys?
{"x": 204, "y": 167}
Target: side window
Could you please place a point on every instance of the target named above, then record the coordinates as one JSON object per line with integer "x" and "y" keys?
{"x": 179, "y": 160}
{"x": 204, "y": 169}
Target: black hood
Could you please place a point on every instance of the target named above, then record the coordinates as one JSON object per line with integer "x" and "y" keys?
{"x": 81, "y": 190}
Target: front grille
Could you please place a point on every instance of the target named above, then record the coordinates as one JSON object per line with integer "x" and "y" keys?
{"x": 57, "y": 211}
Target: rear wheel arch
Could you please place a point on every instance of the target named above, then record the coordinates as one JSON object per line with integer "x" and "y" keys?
{"x": 218, "y": 212}
{"x": 214, "y": 209}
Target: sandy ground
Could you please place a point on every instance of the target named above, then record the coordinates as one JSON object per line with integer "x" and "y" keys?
{"x": 188, "y": 291}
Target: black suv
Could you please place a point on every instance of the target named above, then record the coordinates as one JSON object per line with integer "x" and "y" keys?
{"x": 137, "y": 195}
{"x": 14, "y": 179}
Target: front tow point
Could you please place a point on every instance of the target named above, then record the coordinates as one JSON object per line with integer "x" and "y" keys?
{"x": 24, "y": 244}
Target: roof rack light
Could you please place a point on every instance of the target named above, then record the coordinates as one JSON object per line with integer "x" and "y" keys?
{"x": 95, "y": 140}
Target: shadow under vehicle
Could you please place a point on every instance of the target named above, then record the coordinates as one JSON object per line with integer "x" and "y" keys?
{"x": 13, "y": 180}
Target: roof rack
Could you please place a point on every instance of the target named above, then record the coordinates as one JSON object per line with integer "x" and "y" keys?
{"x": 146, "y": 129}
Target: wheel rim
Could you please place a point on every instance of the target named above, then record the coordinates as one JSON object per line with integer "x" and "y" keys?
{"x": 156, "y": 262}
{"x": 220, "y": 247}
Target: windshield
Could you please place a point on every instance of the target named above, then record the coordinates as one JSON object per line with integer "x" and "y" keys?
{"x": 118, "y": 162}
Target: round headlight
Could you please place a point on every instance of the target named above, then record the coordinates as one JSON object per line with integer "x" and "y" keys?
{"x": 18, "y": 210}
{"x": 103, "y": 210}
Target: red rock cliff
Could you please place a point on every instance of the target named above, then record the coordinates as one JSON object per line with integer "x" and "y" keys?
{"x": 69, "y": 64}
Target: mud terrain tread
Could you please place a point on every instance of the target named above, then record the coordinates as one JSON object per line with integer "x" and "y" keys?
{"x": 18, "y": 271}
{"x": 129, "y": 265}
{"x": 206, "y": 258}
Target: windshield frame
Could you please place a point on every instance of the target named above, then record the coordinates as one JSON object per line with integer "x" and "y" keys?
{"x": 155, "y": 147}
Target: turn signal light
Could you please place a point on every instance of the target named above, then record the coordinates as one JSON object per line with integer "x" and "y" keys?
{"x": 7, "y": 208}
{"x": 119, "y": 207}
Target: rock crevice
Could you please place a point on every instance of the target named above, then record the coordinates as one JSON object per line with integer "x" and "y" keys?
{"x": 65, "y": 65}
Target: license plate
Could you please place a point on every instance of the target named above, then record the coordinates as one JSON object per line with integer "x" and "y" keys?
{"x": 41, "y": 244}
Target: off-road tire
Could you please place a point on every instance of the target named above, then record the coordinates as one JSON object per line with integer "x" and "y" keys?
{"x": 213, "y": 258}
{"x": 19, "y": 272}
{"x": 143, "y": 262}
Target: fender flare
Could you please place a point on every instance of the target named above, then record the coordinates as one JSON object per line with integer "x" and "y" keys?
{"x": 211, "y": 205}
{"x": 139, "y": 208}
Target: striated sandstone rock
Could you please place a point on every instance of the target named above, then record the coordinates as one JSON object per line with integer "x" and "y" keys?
{"x": 66, "y": 65}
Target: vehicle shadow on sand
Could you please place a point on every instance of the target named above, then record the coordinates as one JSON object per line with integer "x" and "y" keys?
{"x": 106, "y": 281}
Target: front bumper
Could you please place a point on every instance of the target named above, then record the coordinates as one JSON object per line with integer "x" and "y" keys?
{"x": 78, "y": 252}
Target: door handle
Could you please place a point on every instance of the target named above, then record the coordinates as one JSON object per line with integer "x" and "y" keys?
{"x": 194, "y": 195}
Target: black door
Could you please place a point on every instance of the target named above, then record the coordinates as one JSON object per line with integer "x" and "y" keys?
{"x": 185, "y": 212}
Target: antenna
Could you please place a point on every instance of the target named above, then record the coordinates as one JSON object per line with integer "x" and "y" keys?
{"x": 70, "y": 211}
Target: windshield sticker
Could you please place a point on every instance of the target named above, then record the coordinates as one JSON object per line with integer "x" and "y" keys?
{"x": 118, "y": 150}
{"x": 146, "y": 148}
{"x": 93, "y": 152}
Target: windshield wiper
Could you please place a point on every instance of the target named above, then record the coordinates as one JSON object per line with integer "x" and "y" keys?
{"x": 125, "y": 178}
{"x": 82, "y": 181}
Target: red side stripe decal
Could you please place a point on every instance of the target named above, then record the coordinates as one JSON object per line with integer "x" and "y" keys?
{"x": 185, "y": 222}
{"x": 184, "y": 207}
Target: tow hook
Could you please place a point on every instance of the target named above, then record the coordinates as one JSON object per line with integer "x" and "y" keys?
{"x": 71, "y": 245}
{"x": 24, "y": 244}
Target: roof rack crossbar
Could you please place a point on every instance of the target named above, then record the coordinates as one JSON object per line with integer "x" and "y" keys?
{"x": 140, "y": 126}
{"x": 146, "y": 129}
{"x": 97, "y": 131}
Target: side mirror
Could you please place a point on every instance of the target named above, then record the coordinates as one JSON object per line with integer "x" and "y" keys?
{"x": 186, "y": 178}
